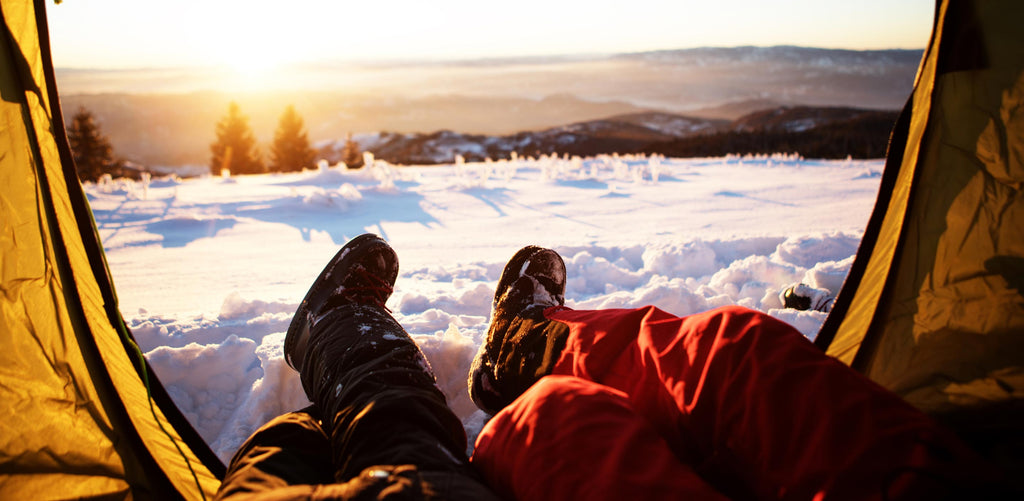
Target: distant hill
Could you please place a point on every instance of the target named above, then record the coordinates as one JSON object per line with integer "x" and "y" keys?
{"x": 827, "y": 132}
{"x": 736, "y": 109}
{"x": 797, "y": 118}
{"x": 811, "y": 132}
{"x": 619, "y": 133}
{"x": 663, "y": 123}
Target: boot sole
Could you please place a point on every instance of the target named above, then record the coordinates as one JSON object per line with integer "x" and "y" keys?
{"x": 514, "y": 269}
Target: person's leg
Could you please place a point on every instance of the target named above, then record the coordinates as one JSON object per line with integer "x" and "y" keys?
{"x": 380, "y": 405}
{"x": 743, "y": 397}
{"x": 290, "y": 450}
{"x": 378, "y": 395}
{"x": 568, "y": 438}
{"x": 289, "y": 458}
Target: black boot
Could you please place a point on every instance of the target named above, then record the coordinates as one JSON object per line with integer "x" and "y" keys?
{"x": 363, "y": 271}
{"x": 522, "y": 346}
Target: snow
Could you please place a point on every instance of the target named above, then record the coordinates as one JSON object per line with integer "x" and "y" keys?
{"x": 209, "y": 270}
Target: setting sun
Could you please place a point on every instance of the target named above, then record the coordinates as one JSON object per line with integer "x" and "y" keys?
{"x": 256, "y": 61}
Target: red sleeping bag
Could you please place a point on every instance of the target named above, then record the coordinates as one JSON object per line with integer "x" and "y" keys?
{"x": 732, "y": 402}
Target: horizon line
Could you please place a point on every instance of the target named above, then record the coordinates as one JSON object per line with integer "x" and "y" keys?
{"x": 507, "y": 59}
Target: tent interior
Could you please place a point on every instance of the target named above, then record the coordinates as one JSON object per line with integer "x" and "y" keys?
{"x": 933, "y": 308}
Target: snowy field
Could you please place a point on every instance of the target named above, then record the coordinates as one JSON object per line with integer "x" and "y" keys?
{"x": 208, "y": 271}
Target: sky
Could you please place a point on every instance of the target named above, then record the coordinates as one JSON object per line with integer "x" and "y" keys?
{"x": 256, "y": 35}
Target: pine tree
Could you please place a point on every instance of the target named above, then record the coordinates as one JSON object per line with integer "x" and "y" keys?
{"x": 235, "y": 148}
{"x": 351, "y": 154}
{"x": 91, "y": 149}
{"x": 291, "y": 150}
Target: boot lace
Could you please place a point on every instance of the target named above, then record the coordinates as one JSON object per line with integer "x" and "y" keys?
{"x": 373, "y": 289}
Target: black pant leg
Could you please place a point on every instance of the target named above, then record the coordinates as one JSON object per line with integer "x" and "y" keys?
{"x": 381, "y": 402}
{"x": 290, "y": 450}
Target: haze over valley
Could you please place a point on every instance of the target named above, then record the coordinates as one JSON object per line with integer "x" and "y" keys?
{"x": 167, "y": 117}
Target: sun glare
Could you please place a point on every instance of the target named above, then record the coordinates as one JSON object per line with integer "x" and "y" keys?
{"x": 247, "y": 58}
{"x": 250, "y": 65}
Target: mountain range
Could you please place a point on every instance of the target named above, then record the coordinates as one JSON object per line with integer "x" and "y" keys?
{"x": 820, "y": 132}
{"x": 619, "y": 100}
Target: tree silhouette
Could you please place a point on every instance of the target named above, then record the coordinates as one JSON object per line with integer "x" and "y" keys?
{"x": 291, "y": 150}
{"x": 90, "y": 148}
{"x": 351, "y": 154}
{"x": 235, "y": 148}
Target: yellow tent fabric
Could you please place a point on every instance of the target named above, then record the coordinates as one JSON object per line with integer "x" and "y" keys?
{"x": 83, "y": 416}
{"x": 933, "y": 308}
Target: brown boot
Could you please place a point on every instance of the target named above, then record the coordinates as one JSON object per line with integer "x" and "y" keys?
{"x": 520, "y": 341}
